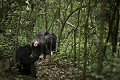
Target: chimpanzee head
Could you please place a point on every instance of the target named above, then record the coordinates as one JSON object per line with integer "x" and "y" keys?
{"x": 53, "y": 35}
{"x": 37, "y": 48}
{"x": 35, "y": 44}
{"x": 38, "y": 45}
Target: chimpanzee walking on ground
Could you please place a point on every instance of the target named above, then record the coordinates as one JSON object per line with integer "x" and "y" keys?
{"x": 51, "y": 41}
{"x": 39, "y": 46}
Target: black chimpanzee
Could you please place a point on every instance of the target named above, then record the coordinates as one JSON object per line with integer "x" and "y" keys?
{"x": 51, "y": 41}
{"x": 39, "y": 46}
{"x": 24, "y": 63}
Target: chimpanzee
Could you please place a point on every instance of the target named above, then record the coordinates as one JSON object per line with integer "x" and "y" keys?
{"x": 24, "y": 63}
{"x": 51, "y": 41}
{"x": 39, "y": 46}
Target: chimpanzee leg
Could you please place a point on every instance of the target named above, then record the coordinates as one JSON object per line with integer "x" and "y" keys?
{"x": 44, "y": 56}
{"x": 33, "y": 71}
{"x": 45, "y": 51}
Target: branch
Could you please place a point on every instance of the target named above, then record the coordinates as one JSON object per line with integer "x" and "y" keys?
{"x": 63, "y": 24}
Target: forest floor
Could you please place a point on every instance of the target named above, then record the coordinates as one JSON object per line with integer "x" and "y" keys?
{"x": 56, "y": 70}
{"x": 48, "y": 69}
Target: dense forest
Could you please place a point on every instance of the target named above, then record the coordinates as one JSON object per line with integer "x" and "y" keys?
{"x": 87, "y": 38}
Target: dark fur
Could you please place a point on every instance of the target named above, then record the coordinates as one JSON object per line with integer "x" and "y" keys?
{"x": 51, "y": 41}
{"x": 41, "y": 46}
{"x": 24, "y": 62}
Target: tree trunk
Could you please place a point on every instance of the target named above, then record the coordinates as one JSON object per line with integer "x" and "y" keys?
{"x": 58, "y": 16}
{"x": 114, "y": 34}
{"x": 101, "y": 37}
{"x": 46, "y": 22}
{"x": 111, "y": 18}
{"x": 16, "y": 40}
{"x": 85, "y": 42}
{"x": 74, "y": 38}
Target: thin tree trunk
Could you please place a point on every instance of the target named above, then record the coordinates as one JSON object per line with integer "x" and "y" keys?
{"x": 74, "y": 38}
{"x": 111, "y": 20}
{"x": 46, "y": 22}
{"x": 85, "y": 43}
{"x": 16, "y": 41}
{"x": 58, "y": 16}
{"x": 101, "y": 43}
{"x": 71, "y": 6}
{"x": 114, "y": 34}
{"x": 79, "y": 21}
{"x": 117, "y": 25}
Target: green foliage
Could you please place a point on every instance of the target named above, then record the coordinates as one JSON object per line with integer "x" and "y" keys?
{"x": 6, "y": 45}
{"x": 111, "y": 69}
{"x": 32, "y": 16}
